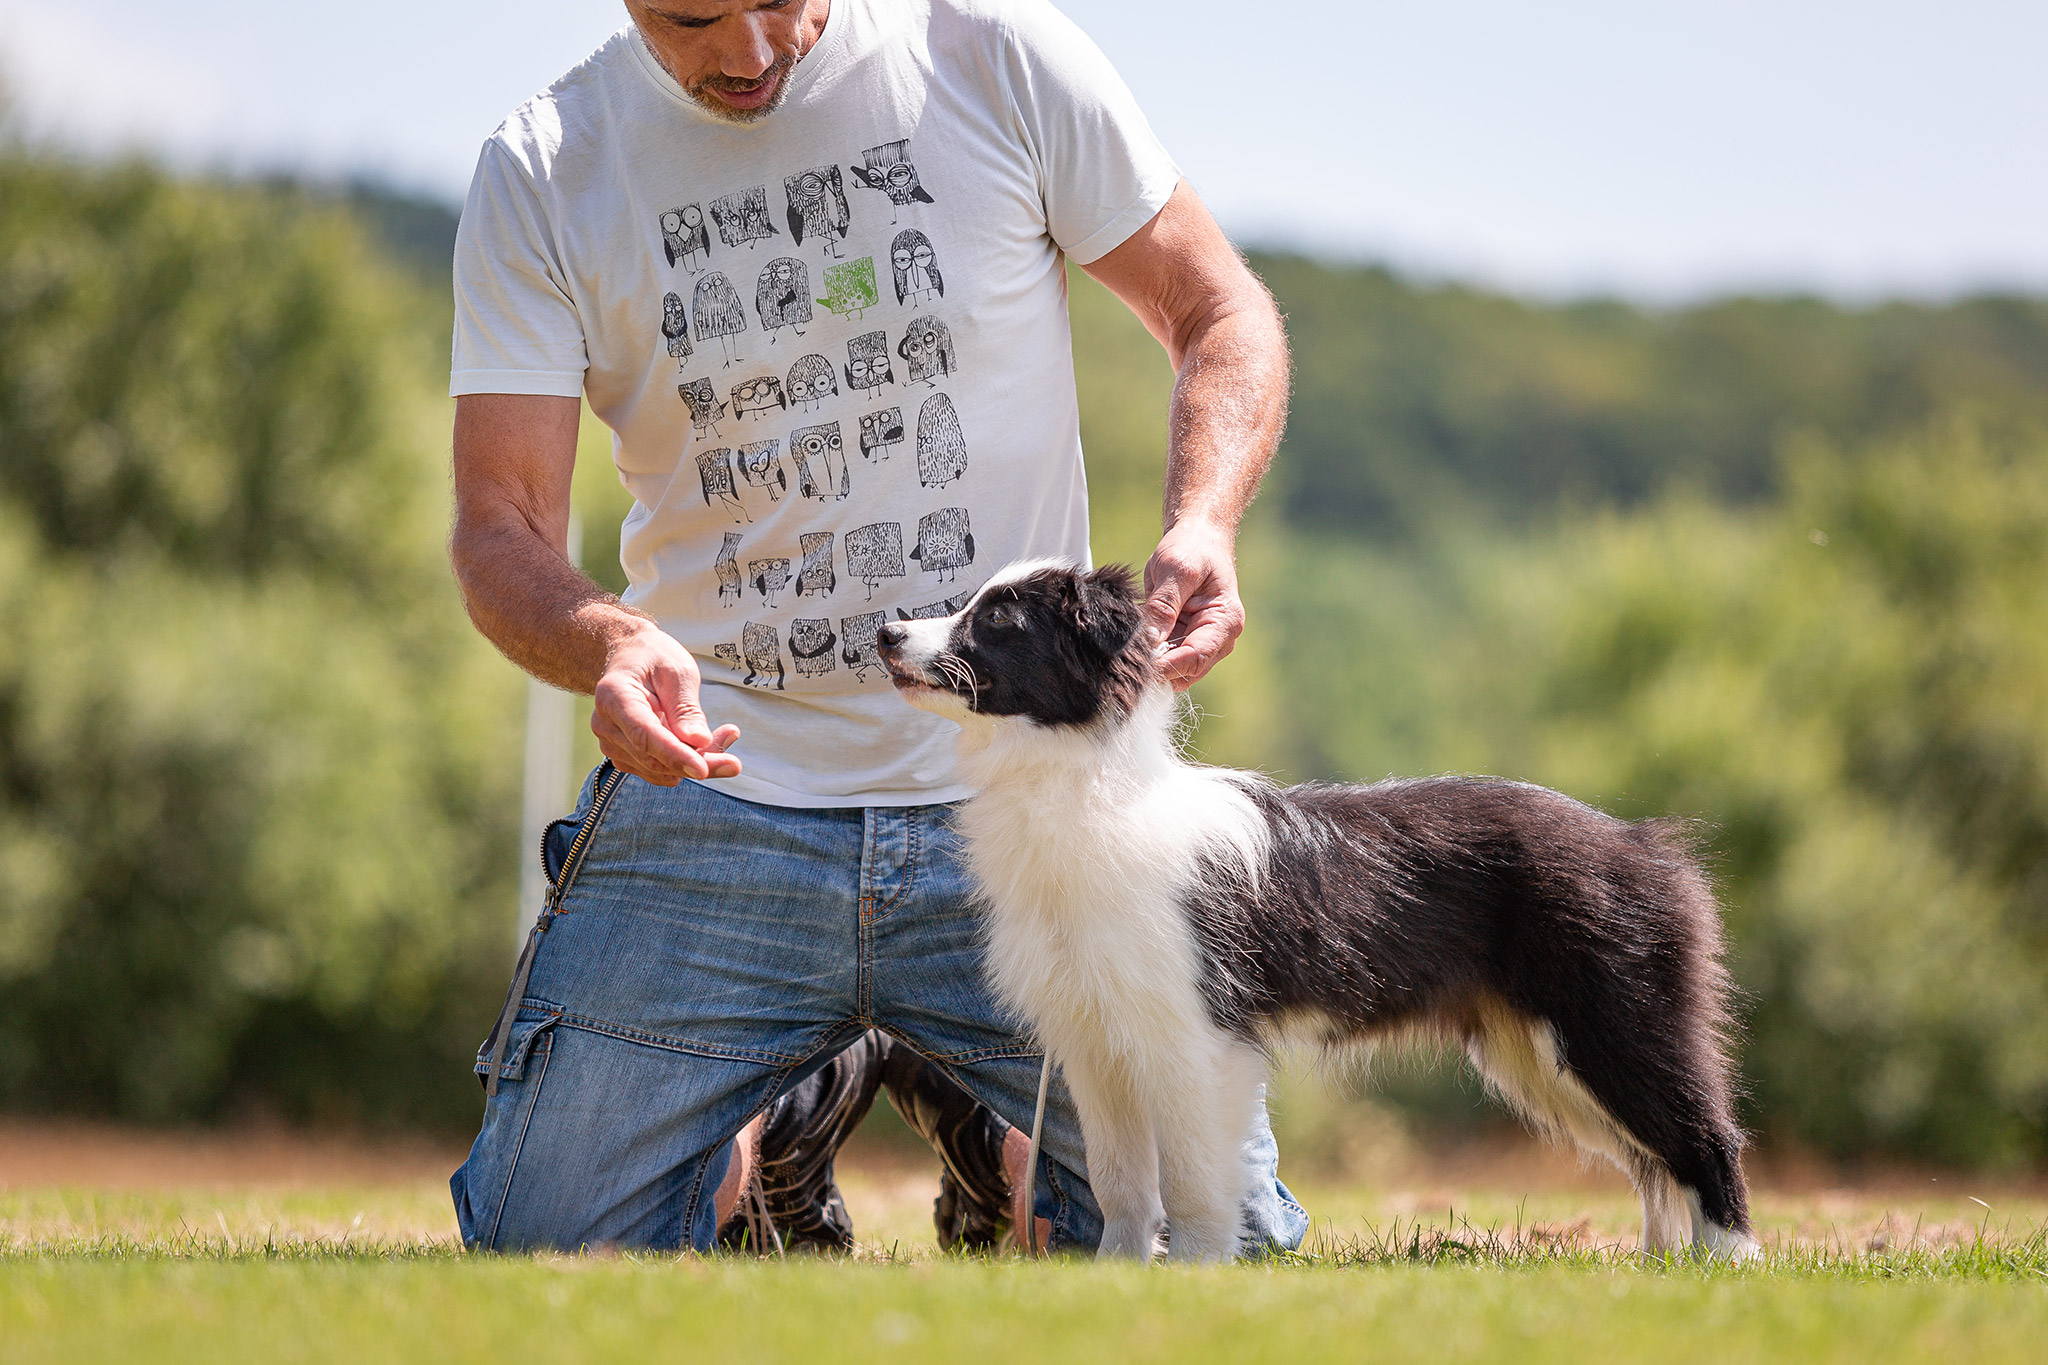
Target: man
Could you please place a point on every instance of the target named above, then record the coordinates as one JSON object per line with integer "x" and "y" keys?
{"x": 806, "y": 259}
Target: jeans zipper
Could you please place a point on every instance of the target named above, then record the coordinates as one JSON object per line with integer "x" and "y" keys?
{"x": 608, "y": 779}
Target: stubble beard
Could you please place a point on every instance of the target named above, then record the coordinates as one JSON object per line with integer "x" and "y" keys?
{"x": 718, "y": 108}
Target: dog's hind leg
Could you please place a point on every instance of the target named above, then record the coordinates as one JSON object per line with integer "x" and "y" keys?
{"x": 1614, "y": 1092}
{"x": 1202, "y": 1125}
{"x": 1123, "y": 1158}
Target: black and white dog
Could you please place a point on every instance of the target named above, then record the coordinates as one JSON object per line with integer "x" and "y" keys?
{"x": 1165, "y": 927}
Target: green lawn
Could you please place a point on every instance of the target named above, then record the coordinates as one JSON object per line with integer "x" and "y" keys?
{"x": 370, "y": 1271}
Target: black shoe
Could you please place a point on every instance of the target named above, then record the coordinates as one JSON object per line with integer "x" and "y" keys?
{"x": 973, "y": 1208}
{"x": 792, "y": 1203}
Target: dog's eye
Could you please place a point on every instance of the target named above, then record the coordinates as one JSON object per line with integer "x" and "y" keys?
{"x": 1004, "y": 618}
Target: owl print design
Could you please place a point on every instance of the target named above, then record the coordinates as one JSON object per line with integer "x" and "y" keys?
{"x": 889, "y": 169}
{"x": 811, "y": 382}
{"x": 932, "y": 611}
{"x": 879, "y": 431}
{"x": 714, "y": 467}
{"x": 874, "y": 553}
{"x": 867, "y": 361}
{"x": 684, "y": 237}
{"x": 716, "y": 311}
{"x": 675, "y": 327}
{"x": 860, "y": 650}
{"x": 945, "y": 545}
{"x": 850, "y": 288}
{"x": 817, "y": 576}
{"x": 941, "y": 449}
{"x": 916, "y": 267}
{"x": 817, "y": 207}
{"x": 752, "y": 397}
{"x": 761, "y": 467}
{"x": 701, "y": 397}
{"x": 769, "y": 577}
{"x": 763, "y": 654}
{"x": 926, "y": 348}
{"x": 782, "y": 296}
{"x": 743, "y": 218}
{"x": 820, "y": 462}
{"x": 810, "y": 646}
{"x": 727, "y": 567}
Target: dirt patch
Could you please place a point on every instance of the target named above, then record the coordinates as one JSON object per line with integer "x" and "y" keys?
{"x": 42, "y": 1154}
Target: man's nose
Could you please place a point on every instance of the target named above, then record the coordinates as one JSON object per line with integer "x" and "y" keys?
{"x": 892, "y": 635}
{"x": 750, "y": 53}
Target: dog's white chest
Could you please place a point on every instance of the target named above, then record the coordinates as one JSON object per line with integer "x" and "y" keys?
{"x": 1087, "y": 929}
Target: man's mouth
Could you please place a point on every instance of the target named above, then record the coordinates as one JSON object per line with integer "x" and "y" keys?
{"x": 746, "y": 96}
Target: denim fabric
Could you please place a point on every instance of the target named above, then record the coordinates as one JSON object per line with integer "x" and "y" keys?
{"x": 710, "y": 952}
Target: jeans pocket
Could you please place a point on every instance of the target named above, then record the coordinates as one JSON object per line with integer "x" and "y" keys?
{"x": 528, "y": 1032}
{"x": 564, "y": 843}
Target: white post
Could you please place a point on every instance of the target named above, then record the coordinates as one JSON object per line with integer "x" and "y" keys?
{"x": 550, "y": 718}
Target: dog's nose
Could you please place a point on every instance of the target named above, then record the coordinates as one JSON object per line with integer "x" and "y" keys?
{"x": 892, "y": 635}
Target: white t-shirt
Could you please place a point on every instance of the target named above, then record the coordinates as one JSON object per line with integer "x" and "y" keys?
{"x": 832, "y": 347}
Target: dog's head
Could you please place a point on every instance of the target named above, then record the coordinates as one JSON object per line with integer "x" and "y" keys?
{"x": 1045, "y": 642}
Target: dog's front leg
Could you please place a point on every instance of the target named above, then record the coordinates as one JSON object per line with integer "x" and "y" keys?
{"x": 1123, "y": 1159}
{"x": 1202, "y": 1126}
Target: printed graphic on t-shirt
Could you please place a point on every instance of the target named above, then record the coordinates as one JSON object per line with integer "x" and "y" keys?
{"x": 850, "y": 288}
{"x": 888, "y": 168}
{"x": 684, "y": 238}
{"x": 715, "y": 311}
{"x": 916, "y": 266}
{"x": 879, "y": 431}
{"x": 808, "y": 409}
{"x": 782, "y": 296}
{"x": 817, "y": 208}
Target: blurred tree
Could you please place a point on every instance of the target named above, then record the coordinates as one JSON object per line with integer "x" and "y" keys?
{"x": 256, "y": 796}
{"x": 1848, "y": 690}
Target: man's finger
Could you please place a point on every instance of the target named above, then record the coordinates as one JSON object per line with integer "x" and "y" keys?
{"x": 680, "y": 712}
{"x": 618, "y": 746}
{"x": 648, "y": 731}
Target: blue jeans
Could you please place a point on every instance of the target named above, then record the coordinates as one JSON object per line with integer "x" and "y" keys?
{"x": 704, "y": 954}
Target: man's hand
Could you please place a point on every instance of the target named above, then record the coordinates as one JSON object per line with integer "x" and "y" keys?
{"x": 1191, "y": 600}
{"x": 648, "y": 720}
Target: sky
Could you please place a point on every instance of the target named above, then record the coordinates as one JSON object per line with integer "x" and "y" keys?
{"x": 1659, "y": 149}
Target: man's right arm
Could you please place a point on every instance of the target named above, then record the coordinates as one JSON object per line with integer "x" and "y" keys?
{"x": 514, "y": 457}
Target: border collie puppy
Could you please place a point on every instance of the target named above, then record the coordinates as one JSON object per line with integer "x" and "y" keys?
{"x": 1165, "y": 927}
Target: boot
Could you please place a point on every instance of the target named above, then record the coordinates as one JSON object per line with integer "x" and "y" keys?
{"x": 972, "y": 1211}
{"x": 792, "y": 1202}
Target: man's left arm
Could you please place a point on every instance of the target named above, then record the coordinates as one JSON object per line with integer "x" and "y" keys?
{"x": 1221, "y": 330}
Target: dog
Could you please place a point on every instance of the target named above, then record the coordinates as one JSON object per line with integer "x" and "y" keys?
{"x": 1166, "y": 928}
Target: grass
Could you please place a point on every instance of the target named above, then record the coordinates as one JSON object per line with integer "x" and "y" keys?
{"x": 368, "y": 1268}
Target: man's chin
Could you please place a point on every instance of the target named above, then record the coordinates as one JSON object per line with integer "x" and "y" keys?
{"x": 744, "y": 106}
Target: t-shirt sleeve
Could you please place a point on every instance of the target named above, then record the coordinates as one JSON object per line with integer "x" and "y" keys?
{"x": 516, "y": 327}
{"x": 1101, "y": 170}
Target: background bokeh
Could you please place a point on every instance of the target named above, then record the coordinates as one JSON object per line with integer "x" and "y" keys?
{"x": 1771, "y": 560}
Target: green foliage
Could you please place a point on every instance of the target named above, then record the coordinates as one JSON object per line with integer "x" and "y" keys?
{"x": 1848, "y": 690}
{"x": 255, "y": 796}
{"x": 1853, "y": 691}
{"x": 1419, "y": 408}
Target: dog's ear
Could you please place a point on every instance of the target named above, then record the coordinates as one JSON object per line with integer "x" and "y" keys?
{"x": 1105, "y": 609}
